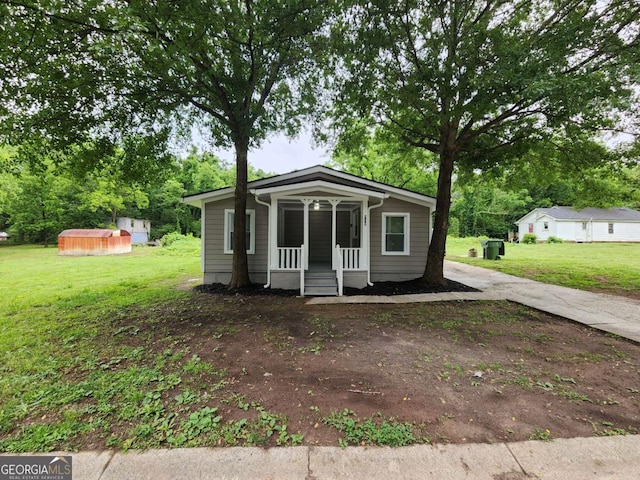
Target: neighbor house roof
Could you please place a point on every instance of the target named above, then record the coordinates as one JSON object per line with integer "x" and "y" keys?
{"x": 4, "y": 234}
{"x": 311, "y": 176}
{"x": 620, "y": 214}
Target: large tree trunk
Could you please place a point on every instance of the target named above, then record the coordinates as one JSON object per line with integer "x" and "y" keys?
{"x": 240, "y": 269}
{"x": 434, "y": 270}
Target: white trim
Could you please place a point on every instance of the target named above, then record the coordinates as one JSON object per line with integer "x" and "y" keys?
{"x": 407, "y": 237}
{"x": 198, "y": 199}
{"x": 251, "y": 248}
{"x": 321, "y": 185}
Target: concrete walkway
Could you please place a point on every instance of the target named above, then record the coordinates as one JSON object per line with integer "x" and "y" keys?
{"x": 610, "y": 313}
{"x": 601, "y": 458}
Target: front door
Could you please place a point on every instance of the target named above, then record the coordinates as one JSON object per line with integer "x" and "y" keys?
{"x": 320, "y": 238}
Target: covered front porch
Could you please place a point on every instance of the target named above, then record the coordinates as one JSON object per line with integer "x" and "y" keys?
{"x": 318, "y": 236}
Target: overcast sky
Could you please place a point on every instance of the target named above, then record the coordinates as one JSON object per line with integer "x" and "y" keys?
{"x": 281, "y": 155}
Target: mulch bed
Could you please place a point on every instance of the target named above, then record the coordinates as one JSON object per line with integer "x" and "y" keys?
{"x": 379, "y": 288}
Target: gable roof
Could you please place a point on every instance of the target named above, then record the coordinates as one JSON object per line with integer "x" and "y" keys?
{"x": 313, "y": 176}
{"x": 604, "y": 214}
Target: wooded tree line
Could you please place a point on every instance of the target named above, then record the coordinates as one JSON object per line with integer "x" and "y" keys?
{"x": 43, "y": 193}
{"x": 489, "y": 202}
{"x": 475, "y": 83}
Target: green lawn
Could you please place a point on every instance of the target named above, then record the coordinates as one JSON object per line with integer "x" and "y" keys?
{"x": 89, "y": 350}
{"x": 608, "y": 267}
{"x": 56, "y": 315}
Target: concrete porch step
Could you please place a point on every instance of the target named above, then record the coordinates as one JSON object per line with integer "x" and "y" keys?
{"x": 321, "y": 291}
{"x": 320, "y": 283}
{"x": 320, "y": 274}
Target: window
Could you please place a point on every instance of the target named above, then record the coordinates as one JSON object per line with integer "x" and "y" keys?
{"x": 611, "y": 228}
{"x": 229, "y": 217}
{"x": 545, "y": 226}
{"x": 530, "y": 228}
{"x": 584, "y": 225}
{"x": 395, "y": 234}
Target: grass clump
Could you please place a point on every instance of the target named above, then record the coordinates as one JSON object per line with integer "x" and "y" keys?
{"x": 376, "y": 430}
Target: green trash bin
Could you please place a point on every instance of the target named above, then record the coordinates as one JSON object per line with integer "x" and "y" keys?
{"x": 492, "y": 248}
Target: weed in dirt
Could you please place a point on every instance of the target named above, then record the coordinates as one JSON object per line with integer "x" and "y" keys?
{"x": 456, "y": 367}
{"x": 573, "y": 395}
{"x": 376, "y": 430}
{"x": 323, "y": 327}
{"x": 195, "y": 365}
{"x": 589, "y": 357}
{"x": 315, "y": 348}
{"x": 224, "y": 330}
{"x": 541, "y": 434}
{"x": 610, "y": 430}
{"x": 277, "y": 337}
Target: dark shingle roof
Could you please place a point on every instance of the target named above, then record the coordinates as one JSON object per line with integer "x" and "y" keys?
{"x": 615, "y": 214}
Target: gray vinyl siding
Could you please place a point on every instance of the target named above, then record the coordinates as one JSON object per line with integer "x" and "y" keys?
{"x": 217, "y": 264}
{"x": 400, "y": 267}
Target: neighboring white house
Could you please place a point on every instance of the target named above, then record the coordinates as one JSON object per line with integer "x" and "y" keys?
{"x": 140, "y": 230}
{"x": 586, "y": 225}
{"x": 4, "y": 236}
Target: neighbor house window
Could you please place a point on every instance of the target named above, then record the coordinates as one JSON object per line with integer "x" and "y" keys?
{"x": 584, "y": 225}
{"x": 530, "y": 228}
{"x": 395, "y": 234}
{"x": 229, "y": 217}
{"x": 611, "y": 228}
{"x": 545, "y": 226}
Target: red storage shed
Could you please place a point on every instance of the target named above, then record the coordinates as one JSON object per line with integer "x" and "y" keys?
{"x": 93, "y": 242}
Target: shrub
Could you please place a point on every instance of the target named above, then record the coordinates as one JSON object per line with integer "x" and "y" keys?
{"x": 180, "y": 245}
{"x": 553, "y": 239}
{"x": 171, "y": 238}
{"x": 529, "y": 238}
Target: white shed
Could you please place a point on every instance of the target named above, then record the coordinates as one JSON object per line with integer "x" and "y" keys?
{"x": 586, "y": 225}
{"x": 140, "y": 230}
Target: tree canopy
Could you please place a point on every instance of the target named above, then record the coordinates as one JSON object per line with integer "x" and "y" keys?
{"x": 476, "y": 82}
{"x": 112, "y": 69}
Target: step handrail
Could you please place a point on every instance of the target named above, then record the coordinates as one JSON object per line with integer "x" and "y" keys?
{"x": 302, "y": 263}
{"x": 339, "y": 270}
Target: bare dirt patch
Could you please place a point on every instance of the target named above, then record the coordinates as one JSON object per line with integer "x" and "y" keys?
{"x": 456, "y": 371}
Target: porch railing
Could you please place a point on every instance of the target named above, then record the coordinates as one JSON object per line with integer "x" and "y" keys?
{"x": 350, "y": 258}
{"x": 290, "y": 258}
{"x": 339, "y": 269}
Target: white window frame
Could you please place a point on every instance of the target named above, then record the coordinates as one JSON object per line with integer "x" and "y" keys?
{"x": 251, "y": 248}
{"x": 407, "y": 232}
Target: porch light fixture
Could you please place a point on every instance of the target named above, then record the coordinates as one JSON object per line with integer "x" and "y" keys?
{"x": 316, "y": 205}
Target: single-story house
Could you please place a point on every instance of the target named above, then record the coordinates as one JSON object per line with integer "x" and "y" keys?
{"x": 585, "y": 225}
{"x": 140, "y": 230}
{"x": 4, "y": 236}
{"x": 318, "y": 229}
{"x": 95, "y": 241}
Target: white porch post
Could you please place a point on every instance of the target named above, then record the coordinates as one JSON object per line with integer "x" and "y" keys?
{"x": 273, "y": 232}
{"x": 306, "y": 202}
{"x": 334, "y": 204}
